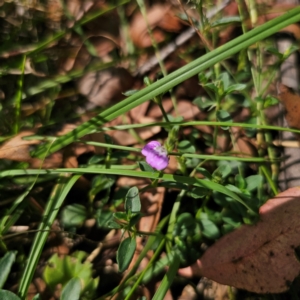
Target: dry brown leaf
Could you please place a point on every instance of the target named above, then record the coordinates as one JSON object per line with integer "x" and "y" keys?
{"x": 187, "y": 110}
{"x": 259, "y": 258}
{"x": 155, "y": 111}
{"x": 291, "y": 103}
{"x": 105, "y": 87}
{"x": 78, "y": 8}
{"x": 80, "y": 57}
{"x": 139, "y": 111}
{"x": 159, "y": 17}
{"x": 189, "y": 89}
{"x": 18, "y": 149}
{"x": 242, "y": 143}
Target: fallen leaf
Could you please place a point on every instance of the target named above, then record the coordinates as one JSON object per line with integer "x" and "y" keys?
{"x": 187, "y": 110}
{"x": 155, "y": 111}
{"x": 291, "y": 103}
{"x": 17, "y": 148}
{"x": 242, "y": 143}
{"x": 259, "y": 258}
{"x": 105, "y": 87}
{"x": 159, "y": 17}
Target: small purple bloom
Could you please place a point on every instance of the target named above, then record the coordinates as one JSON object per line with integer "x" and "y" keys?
{"x": 156, "y": 155}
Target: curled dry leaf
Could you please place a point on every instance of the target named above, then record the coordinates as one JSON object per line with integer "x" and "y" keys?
{"x": 291, "y": 103}
{"x": 259, "y": 258}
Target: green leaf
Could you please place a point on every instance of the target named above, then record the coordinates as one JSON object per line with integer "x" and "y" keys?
{"x": 212, "y": 87}
{"x": 289, "y": 51}
{"x": 37, "y": 297}
{"x": 73, "y": 215}
{"x": 235, "y": 87}
{"x": 198, "y": 192}
{"x": 100, "y": 183}
{"x": 204, "y": 77}
{"x": 240, "y": 181}
{"x": 113, "y": 224}
{"x": 7, "y": 295}
{"x": 60, "y": 270}
{"x": 72, "y": 290}
{"x": 226, "y": 228}
{"x": 224, "y": 78}
{"x": 270, "y": 101}
{"x": 203, "y": 103}
{"x": 226, "y": 21}
{"x": 253, "y": 182}
{"x": 186, "y": 146}
{"x": 274, "y": 50}
{"x": 145, "y": 167}
{"x": 132, "y": 200}
{"x": 103, "y": 217}
{"x": 231, "y": 218}
{"x": 223, "y": 171}
{"x": 223, "y": 116}
{"x": 130, "y": 92}
{"x": 125, "y": 253}
{"x": 134, "y": 219}
{"x": 96, "y": 159}
{"x": 204, "y": 172}
{"x": 209, "y": 229}
{"x": 6, "y": 263}
{"x": 121, "y": 215}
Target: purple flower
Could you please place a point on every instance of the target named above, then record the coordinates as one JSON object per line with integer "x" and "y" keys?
{"x": 156, "y": 155}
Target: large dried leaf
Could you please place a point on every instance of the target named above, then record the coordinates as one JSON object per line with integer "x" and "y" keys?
{"x": 259, "y": 258}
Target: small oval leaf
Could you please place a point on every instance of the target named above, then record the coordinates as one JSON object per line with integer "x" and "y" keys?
{"x": 5, "y": 265}
{"x": 72, "y": 290}
{"x": 125, "y": 253}
{"x": 7, "y": 295}
{"x": 132, "y": 200}
{"x": 223, "y": 116}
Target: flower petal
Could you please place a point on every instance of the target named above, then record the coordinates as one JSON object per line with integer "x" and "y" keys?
{"x": 156, "y": 155}
{"x": 149, "y": 147}
{"x": 157, "y": 162}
